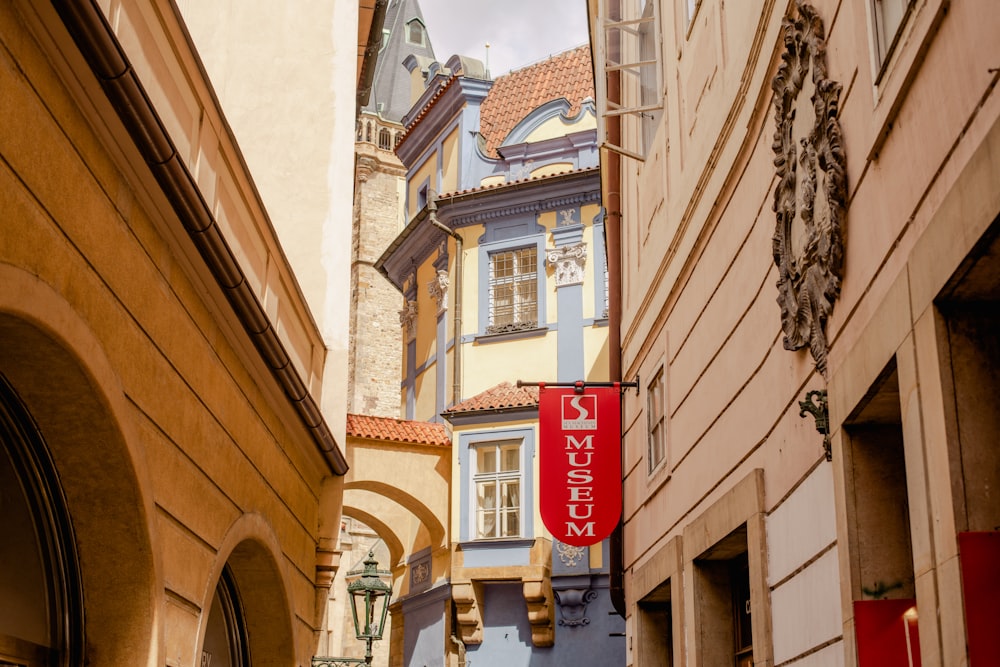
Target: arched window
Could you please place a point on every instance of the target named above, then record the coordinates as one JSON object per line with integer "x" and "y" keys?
{"x": 385, "y": 139}
{"x": 40, "y": 578}
{"x": 399, "y": 137}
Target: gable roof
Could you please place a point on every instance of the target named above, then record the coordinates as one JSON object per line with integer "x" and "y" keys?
{"x": 568, "y": 75}
{"x": 397, "y": 430}
{"x": 502, "y": 397}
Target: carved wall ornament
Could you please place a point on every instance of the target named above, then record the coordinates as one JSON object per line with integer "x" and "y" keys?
{"x": 569, "y": 554}
{"x": 438, "y": 289}
{"x": 568, "y": 262}
{"x": 408, "y": 320}
{"x": 810, "y": 200}
{"x": 566, "y": 217}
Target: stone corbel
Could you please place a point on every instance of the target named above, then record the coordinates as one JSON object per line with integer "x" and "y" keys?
{"x": 408, "y": 320}
{"x": 538, "y": 597}
{"x": 438, "y": 289}
{"x": 573, "y": 605}
{"x": 568, "y": 262}
{"x": 469, "y": 614}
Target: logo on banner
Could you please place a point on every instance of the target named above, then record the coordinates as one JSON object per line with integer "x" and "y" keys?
{"x": 580, "y": 462}
{"x": 579, "y": 412}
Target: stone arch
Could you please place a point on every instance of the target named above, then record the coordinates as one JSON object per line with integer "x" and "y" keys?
{"x": 252, "y": 553}
{"x": 392, "y": 541}
{"x": 412, "y": 504}
{"x": 59, "y": 370}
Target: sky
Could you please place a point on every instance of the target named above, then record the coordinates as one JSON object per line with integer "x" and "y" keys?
{"x": 519, "y": 32}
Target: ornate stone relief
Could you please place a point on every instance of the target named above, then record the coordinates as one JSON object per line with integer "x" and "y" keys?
{"x": 573, "y": 605}
{"x": 568, "y": 262}
{"x": 566, "y": 217}
{"x": 568, "y": 554}
{"x": 438, "y": 289}
{"x": 408, "y": 320}
{"x": 811, "y": 196}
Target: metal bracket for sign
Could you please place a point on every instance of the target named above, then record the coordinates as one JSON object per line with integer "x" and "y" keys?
{"x": 580, "y": 385}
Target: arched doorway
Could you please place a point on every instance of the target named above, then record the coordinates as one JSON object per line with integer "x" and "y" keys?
{"x": 41, "y": 601}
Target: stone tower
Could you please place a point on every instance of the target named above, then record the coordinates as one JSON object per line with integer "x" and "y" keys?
{"x": 375, "y": 337}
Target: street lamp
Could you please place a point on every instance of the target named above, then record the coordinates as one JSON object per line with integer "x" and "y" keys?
{"x": 375, "y": 593}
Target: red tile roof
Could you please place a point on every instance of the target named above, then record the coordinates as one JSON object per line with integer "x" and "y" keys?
{"x": 504, "y": 396}
{"x": 397, "y": 430}
{"x": 520, "y": 181}
{"x": 567, "y": 75}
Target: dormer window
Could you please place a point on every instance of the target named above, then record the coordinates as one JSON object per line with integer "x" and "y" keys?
{"x": 415, "y": 32}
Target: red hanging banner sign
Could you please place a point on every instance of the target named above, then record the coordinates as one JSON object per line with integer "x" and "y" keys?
{"x": 580, "y": 462}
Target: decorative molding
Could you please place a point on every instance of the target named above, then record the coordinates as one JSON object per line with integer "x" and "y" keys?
{"x": 438, "y": 289}
{"x": 569, "y": 555}
{"x": 529, "y": 207}
{"x": 568, "y": 262}
{"x": 513, "y": 327}
{"x": 573, "y": 606}
{"x": 408, "y": 320}
{"x": 811, "y": 197}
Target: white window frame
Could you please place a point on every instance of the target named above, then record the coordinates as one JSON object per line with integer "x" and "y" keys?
{"x": 523, "y": 274}
{"x": 620, "y": 47}
{"x": 884, "y": 43}
{"x": 656, "y": 423}
{"x": 498, "y": 477}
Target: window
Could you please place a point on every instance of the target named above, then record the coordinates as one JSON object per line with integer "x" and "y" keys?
{"x": 631, "y": 87}
{"x": 889, "y": 17}
{"x": 690, "y": 9}
{"x": 656, "y": 451}
{"x": 415, "y": 32}
{"x": 498, "y": 489}
{"x": 513, "y": 290}
{"x": 384, "y": 139}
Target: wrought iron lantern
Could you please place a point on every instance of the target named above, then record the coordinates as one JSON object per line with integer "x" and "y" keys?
{"x": 373, "y": 593}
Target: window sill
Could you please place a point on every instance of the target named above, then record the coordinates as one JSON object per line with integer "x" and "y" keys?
{"x": 483, "y": 339}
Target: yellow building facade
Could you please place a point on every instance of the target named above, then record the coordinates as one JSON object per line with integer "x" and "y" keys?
{"x": 501, "y": 267}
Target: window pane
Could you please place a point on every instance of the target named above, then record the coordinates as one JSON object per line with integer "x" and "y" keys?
{"x": 487, "y": 459}
{"x": 511, "y": 455}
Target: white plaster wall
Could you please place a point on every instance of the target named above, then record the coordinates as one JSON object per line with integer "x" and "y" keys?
{"x": 828, "y": 656}
{"x": 805, "y": 610}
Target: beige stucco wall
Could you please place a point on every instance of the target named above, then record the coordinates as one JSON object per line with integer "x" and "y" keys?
{"x": 699, "y": 299}
{"x": 176, "y": 448}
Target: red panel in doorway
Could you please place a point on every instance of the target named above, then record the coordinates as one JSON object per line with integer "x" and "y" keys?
{"x": 979, "y": 556}
{"x": 887, "y": 633}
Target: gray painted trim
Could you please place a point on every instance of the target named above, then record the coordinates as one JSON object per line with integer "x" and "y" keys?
{"x": 441, "y": 350}
{"x": 439, "y": 593}
{"x": 466, "y": 441}
{"x": 487, "y": 339}
{"x": 482, "y": 417}
{"x": 552, "y": 109}
{"x": 496, "y": 553}
{"x": 411, "y": 379}
{"x": 569, "y": 349}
